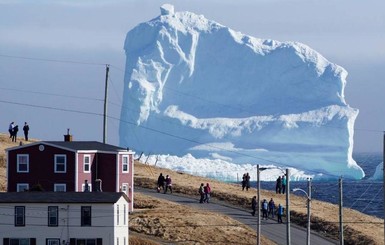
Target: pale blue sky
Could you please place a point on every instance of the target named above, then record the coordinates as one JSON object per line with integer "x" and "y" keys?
{"x": 350, "y": 33}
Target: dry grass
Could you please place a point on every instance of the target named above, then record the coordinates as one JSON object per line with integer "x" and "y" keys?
{"x": 183, "y": 225}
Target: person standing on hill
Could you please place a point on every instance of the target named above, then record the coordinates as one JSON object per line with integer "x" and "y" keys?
{"x": 279, "y": 213}
{"x": 161, "y": 181}
{"x": 201, "y": 193}
{"x": 283, "y": 184}
{"x": 14, "y": 133}
{"x": 10, "y": 129}
{"x": 243, "y": 182}
{"x": 26, "y": 129}
{"x": 168, "y": 184}
{"x": 278, "y": 185}
{"x": 254, "y": 205}
{"x": 207, "y": 190}
{"x": 247, "y": 181}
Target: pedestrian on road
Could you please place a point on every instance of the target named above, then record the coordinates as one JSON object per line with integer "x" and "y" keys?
{"x": 271, "y": 208}
{"x": 207, "y": 190}
{"x": 279, "y": 213}
{"x": 254, "y": 205}
{"x": 243, "y": 182}
{"x": 265, "y": 206}
{"x": 161, "y": 181}
{"x": 168, "y": 184}
{"x": 278, "y": 185}
{"x": 283, "y": 184}
{"x": 26, "y": 129}
{"x": 201, "y": 193}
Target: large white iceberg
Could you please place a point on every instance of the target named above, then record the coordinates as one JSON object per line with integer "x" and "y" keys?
{"x": 195, "y": 86}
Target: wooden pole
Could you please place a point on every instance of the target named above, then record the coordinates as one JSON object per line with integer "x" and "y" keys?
{"x": 105, "y": 106}
{"x": 288, "y": 237}
{"x": 341, "y": 236}
{"x": 258, "y": 207}
{"x": 308, "y": 209}
{"x": 383, "y": 178}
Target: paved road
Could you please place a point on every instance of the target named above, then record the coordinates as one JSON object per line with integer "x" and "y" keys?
{"x": 269, "y": 228}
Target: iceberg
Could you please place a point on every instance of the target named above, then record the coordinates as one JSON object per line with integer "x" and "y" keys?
{"x": 194, "y": 86}
{"x": 379, "y": 173}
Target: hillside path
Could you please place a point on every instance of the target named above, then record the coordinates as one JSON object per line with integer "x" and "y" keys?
{"x": 269, "y": 228}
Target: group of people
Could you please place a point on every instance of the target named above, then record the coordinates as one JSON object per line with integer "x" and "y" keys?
{"x": 164, "y": 183}
{"x": 205, "y": 192}
{"x": 13, "y": 129}
{"x": 267, "y": 208}
{"x": 280, "y": 186}
{"x": 246, "y": 181}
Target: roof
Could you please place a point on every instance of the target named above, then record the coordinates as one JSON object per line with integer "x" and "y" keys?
{"x": 77, "y": 146}
{"x": 61, "y": 197}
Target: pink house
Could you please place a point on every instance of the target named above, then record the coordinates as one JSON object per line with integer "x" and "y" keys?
{"x": 66, "y": 165}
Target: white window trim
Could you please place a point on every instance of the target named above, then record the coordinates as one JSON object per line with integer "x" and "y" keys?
{"x": 89, "y": 163}
{"x": 59, "y": 185}
{"x": 18, "y": 163}
{"x": 128, "y": 163}
{"x": 89, "y": 187}
{"x": 20, "y": 185}
{"x": 65, "y": 163}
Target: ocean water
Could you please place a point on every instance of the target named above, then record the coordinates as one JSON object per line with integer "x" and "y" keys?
{"x": 365, "y": 195}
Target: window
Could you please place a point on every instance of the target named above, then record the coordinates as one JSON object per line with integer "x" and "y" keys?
{"x": 125, "y": 164}
{"x": 117, "y": 214}
{"x": 117, "y": 241}
{"x": 22, "y": 163}
{"x": 86, "y": 216}
{"x": 22, "y": 187}
{"x": 19, "y": 216}
{"x": 60, "y": 187}
{"x": 19, "y": 241}
{"x": 87, "y": 164}
{"x": 53, "y": 216}
{"x": 74, "y": 241}
{"x": 53, "y": 241}
{"x": 124, "y": 214}
{"x": 60, "y": 163}
{"x": 124, "y": 241}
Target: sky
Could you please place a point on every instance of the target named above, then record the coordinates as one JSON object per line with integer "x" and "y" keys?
{"x": 53, "y": 56}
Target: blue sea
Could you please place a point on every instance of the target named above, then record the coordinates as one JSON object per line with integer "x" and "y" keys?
{"x": 365, "y": 195}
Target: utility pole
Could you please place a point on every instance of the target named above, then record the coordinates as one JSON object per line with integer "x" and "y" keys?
{"x": 105, "y": 106}
{"x": 308, "y": 209}
{"x": 258, "y": 208}
{"x": 383, "y": 178}
{"x": 341, "y": 236}
{"x": 288, "y": 237}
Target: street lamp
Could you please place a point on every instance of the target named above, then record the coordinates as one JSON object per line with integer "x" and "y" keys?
{"x": 308, "y": 195}
{"x": 259, "y": 205}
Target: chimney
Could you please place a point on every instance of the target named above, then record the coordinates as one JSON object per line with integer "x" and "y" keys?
{"x": 68, "y": 137}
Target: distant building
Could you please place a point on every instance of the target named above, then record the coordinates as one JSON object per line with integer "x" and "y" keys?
{"x": 69, "y": 218}
{"x": 64, "y": 166}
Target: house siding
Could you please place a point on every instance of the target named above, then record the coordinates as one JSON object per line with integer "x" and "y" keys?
{"x": 41, "y": 168}
{"x": 82, "y": 176}
{"x": 107, "y": 171}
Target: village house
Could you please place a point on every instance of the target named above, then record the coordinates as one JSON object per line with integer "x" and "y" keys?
{"x": 64, "y": 218}
{"x": 70, "y": 166}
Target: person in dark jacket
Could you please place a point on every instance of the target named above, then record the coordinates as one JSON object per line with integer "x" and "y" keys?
{"x": 278, "y": 186}
{"x": 279, "y": 213}
{"x": 161, "y": 181}
{"x": 254, "y": 205}
{"x": 26, "y": 129}
{"x": 14, "y": 133}
{"x": 207, "y": 190}
{"x": 201, "y": 193}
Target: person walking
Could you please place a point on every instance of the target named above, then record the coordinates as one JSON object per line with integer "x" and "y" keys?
{"x": 254, "y": 205}
{"x": 271, "y": 208}
{"x": 278, "y": 185}
{"x": 26, "y": 129}
{"x": 161, "y": 181}
{"x": 243, "y": 182}
{"x": 279, "y": 213}
{"x": 201, "y": 193}
{"x": 283, "y": 184}
{"x": 264, "y": 209}
{"x": 168, "y": 184}
{"x": 207, "y": 190}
